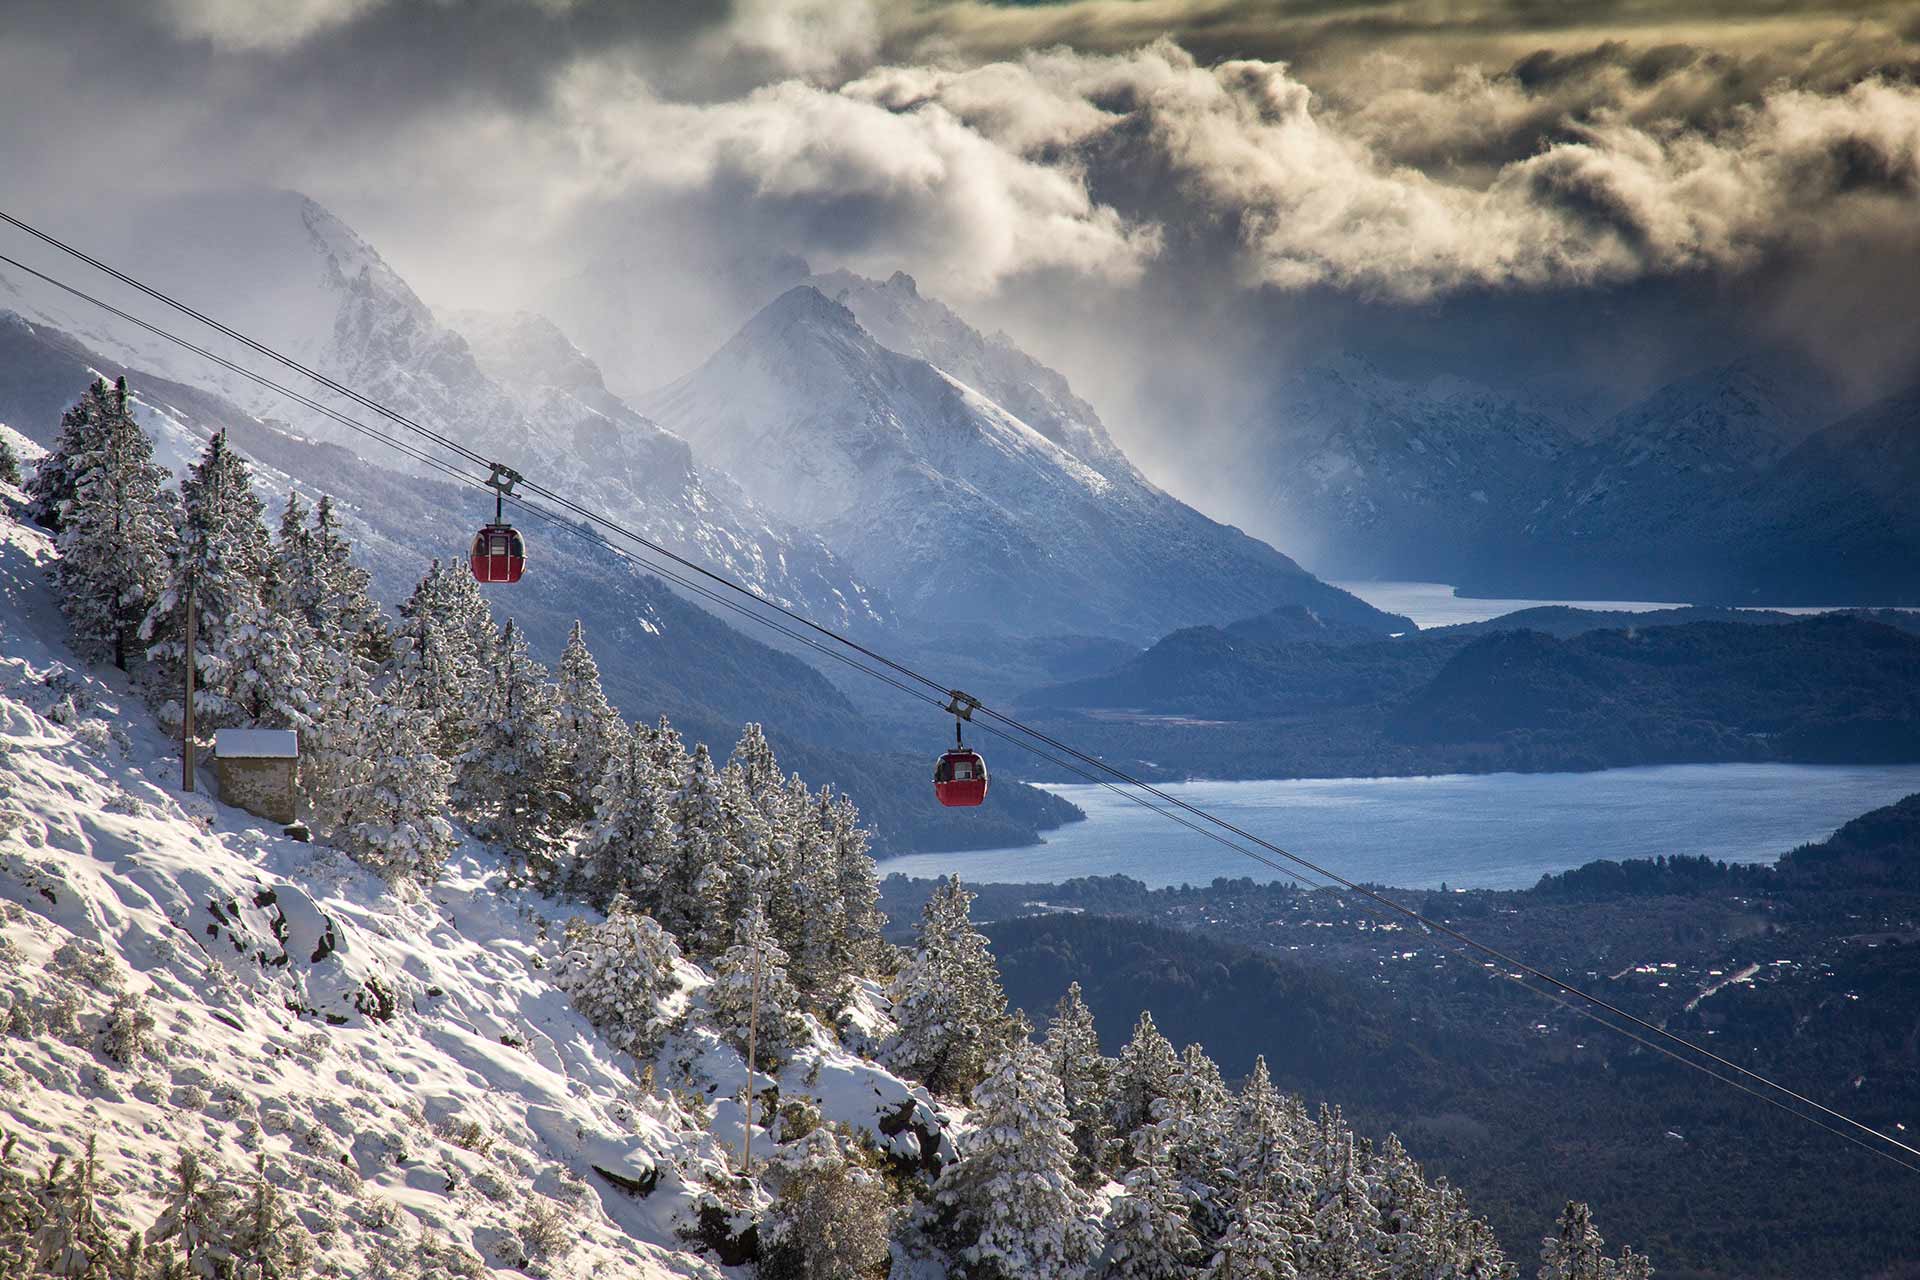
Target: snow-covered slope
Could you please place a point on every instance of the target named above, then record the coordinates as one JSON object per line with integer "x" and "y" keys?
{"x": 963, "y": 512}
{"x": 172, "y": 974}
{"x": 904, "y": 320}
{"x": 279, "y": 267}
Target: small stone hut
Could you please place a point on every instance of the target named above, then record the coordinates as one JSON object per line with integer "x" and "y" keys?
{"x": 259, "y": 771}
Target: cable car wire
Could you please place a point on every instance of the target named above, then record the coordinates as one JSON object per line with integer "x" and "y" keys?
{"x": 1557, "y": 988}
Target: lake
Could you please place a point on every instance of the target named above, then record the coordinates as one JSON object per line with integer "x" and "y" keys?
{"x": 1433, "y": 604}
{"x": 1501, "y": 830}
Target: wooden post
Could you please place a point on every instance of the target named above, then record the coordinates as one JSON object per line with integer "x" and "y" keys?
{"x": 753, "y": 1031}
{"x": 186, "y": 726}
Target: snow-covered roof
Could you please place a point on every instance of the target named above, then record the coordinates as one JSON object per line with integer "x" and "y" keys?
{"x": 258, "y": 744}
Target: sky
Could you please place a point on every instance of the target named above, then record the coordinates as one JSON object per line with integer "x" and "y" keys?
{"x": 1178, "y": 202}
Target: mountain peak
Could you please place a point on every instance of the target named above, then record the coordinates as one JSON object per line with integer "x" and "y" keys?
{"x": 903, "y": 282}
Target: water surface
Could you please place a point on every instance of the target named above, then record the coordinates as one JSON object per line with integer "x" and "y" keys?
{"x": 1501, "y": 830}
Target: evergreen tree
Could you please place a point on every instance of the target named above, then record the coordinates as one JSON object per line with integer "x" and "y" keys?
{"x": 223, "y": 561}
{"x": 695, "y": 885}
{"x": 947, "y": 1000}
{"x": 1014, "y": 1207}
{"x": 1143, "y": 1076}
{"x": 116, "y": 530}
{"x": 587, "y": 730}
{"x": 392, "y": 818}
{"x": 822, "y": 967}
{"x": 617, "y": 855}
{"x": 1575, "y": 1250}
{"x": 1149, "y": 1234}
{"x": 778, "y": 1028}
{"x": 442, "y": 654}
{"x": 343, "y": 608}
{"x": 1345, "y": 1231}
{"x": 268, "y": 1242}
{"x": 1086, "y": 1080}
{"x": 755, "y": 870}
{"x": 1257, "y": 1244}
{"x": 197, "y": 1212}
{"x": 509, "y": 772}
{"x": 618, "y": 973}
{"x": 858, "y": 886}
{"x": 21, "y": 1213}
{"x": 81, "y": 428}
{"x": 9, "y": 464}
{"x": 74, "y": 1239}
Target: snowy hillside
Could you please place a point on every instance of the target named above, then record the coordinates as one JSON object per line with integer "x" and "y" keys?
{"x": 962, "y": 511}
{"x": 277, "y": 266}
{"x": 427, "y": 1099}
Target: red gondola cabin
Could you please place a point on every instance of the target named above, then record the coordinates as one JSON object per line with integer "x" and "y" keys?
{"x": 960, "y": 778}
{"x": 499, "y": 554}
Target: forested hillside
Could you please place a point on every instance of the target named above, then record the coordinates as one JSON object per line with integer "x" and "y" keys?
{"x": 533, "y": 987}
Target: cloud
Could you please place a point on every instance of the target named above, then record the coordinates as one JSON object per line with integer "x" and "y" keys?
{"x": 261, "y": 24}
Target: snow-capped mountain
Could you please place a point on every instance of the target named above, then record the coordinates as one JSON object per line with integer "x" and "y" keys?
{"x": 1385, "y": 478}
{"x": 904, "y": 320}
{"x": 966, "y": 514}
{"x": 281, "y": 268}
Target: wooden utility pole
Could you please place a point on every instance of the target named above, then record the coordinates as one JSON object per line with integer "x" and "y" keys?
{"x": 753, "y": 1030}
{"x": 186, "y": 726}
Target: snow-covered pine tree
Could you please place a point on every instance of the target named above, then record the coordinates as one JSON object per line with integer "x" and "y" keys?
{"x": 618, "y": 972}
{"x": 10, "y": 465}
{"x": 947, "y": 1000}
{"x": 223, "y": 558}
{"x": 817, "y": 917}
{"x": 858, "y": 893}
{"x": 616, "y": 856}
{"x": 1149, "y": 1233}
{"x": 695, "y": 885}
{"x": 1143, "y": 1076}
{"x": 1258, "y": 1244}
{"x": 21, "y": 1213}
{"x": 50, "y": 487}
{"x": 755, "y": 865}
{"x": 1345, "y": 1238}
{"x": 670, "y": 753}
{"x": 344, "y": 604}
{"x": 1404, "y": 1206}
{"x": 1196, "y": 1116}
{"x": 392, "y": 816}
{"x": 1086, "y": 1080}
{"x": 588, "y": 730}
{"x": 116, "y": 531}
{"x": 832, "y": 1218}
{"x": 779, "y": 1026}
{"x": 509, "y": 771}
{"x": 1013, "y": 1207}
{"x": 1575, "y": 1250}
{"x": 74, "y": 1239}
{"x": 269, "y": 1243}
{"x": 197, "y": 1211}
{"x": 442, "y": 653}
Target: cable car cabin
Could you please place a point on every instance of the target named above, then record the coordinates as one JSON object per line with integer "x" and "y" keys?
{"x": 499, "y": 554}
{"x": 960, "y": 778}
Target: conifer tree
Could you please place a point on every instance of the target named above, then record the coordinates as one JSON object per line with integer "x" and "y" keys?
{"x": 1257, "y": 1244}
{"x": 74, "y": 1238}
{"x": 392, "y": 817}
{"x": 1345, "y": 1231}
{"x": 947, "y": 1000}
{"x": 858, "y": 885}
{"x": 1014, "y": 1207}
{"x": 268, "y": 1242}
{"x": 10, "y": 465}
{"x": 618, "y": 855}
{"x": 588, "y": 731}
{"x": 197, "y": 1211}
{"x": 1143, "y": 1076}
{"x": 116, "y": 530}
{"x": 778, "y": 1028}
{"x": 21, "y": 1213}
{"x": 755, "y": 872}
{"x": 223, "y": 561}
{"x": 822, "y": 966}
{"x": 343, "y": 609}
{"x": 1575, "y": 1250}
{"x": 1149, "y": 1233}
{"x": 696, "y": 885}
{"x": 51, "y": 486}
{"x": 442, "y": 653}
{"x": 618, "y": 972}
{"x": 1086, "y": 1080}
{"x": 510, "y": 769}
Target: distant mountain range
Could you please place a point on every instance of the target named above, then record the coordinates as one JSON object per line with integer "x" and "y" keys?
{"x": 1734, "y": 485}
{"x": 973, "y": 518}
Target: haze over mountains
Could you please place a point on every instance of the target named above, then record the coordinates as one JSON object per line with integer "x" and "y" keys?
{"x": 1744, "y": 483}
